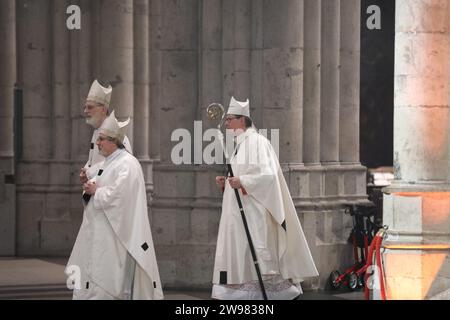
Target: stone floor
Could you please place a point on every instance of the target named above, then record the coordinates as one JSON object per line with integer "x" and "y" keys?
{"x": 44, "y": 279}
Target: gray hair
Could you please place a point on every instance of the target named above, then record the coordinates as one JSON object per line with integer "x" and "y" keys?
{"x": 116, "y": 141}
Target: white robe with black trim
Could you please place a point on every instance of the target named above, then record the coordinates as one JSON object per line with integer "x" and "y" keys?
{"x": 277, "y": 235}
{"x": 114, "y": 247}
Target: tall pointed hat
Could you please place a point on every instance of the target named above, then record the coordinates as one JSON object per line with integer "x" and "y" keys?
{"x": 99, "y": 94}
{"x": 240, "y": 108}
{"x": 113, "y": 128}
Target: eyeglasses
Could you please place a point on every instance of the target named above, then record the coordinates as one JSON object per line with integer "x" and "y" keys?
{"x": 100, "y": 138}
{"x": 231, "y": 118}
{"x": 90, "y": 106}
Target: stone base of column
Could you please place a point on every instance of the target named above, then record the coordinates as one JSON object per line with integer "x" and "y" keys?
{"x": 49, "y": 206}
{"x": 186, "y": 208}
{"x": 417, "y": 274}
{"x": 417, "y": 247}
{"x": 7, "y": 207}
{"x": 147, "y": 169}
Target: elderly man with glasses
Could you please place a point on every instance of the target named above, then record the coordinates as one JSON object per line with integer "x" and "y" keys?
{"x": 262, "y": 213}
{"x": 114, "y": 250}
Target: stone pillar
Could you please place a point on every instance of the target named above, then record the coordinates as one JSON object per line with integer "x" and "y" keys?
{"x": 155, "y": 74}
{"x": 305, "y": 186}
{"x": 327, "y": 181}
{"x": 81, "y": 77}
{"x": 141, "y": 79}
{"x": 212, "y": 78}
{"x": 353, "y": 182}
{"x": 114, "y": 57}
{"x": 417, "y": 204}
{"x": 60, "y": 83}
{"x": 236, "y": 40}
{"x": 349, "y": 82}
{"x": 142, "y": 105}
{"x": 8, "y": 78}
{"x": 257, "y": 62}
{"x": 311, "y": 83}
{"x": 282, "y": 88}
{"x": 178, "y": 46}
{"x": 175, "y": 67}
{"x": 34, "y": 62}
{"x": 34, "y": 77}
{"x": 211, "y": 55}
{"x": 329, "y": 122}
{"x": 205, "y": 213}
{"x": 55, "y": 226}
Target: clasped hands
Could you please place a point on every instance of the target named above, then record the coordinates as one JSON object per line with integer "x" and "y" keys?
{"x": 89, "y": 187}
{"x": 234, "y": 182}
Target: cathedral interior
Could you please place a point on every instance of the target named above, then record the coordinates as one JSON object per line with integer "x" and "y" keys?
{"x": 358, "y": 89}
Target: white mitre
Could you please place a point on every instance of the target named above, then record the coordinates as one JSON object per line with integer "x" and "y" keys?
{"x": 239, "y": 108}
{"x": 113, "y": 128}
{"x": 99, "y": 94}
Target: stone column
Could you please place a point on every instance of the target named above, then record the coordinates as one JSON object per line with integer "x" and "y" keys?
{"x": 311, "y": 83}
{"x": 353, "y": 181}
{"x": 236, "y": 37}
{"x": 178, "y": 71}
{"x": 8, "y": 78}
{"x": 417, "y": 204}
{"x": 55, "y": 226}
{"x": 282, "y": 88}
{"x": 349, "y": 82}
{"x": 114, "y": 58}
{"x": 257, "y": 62}
{"x": 34, "y": 63}
{"x": 211, "y": 55}
{"x": 176, "y": 99}
{"x": 212, "y": 86}
{"x": 141, "y": 79}
{"x": 142, "y": 105}
{"x": 329, "y": 122}
{"x": 307, "y": 189}
{"x": 81, "y": 77}
{"x": 34, "y": 76}
{"x": 198, "y": 226}
{"x": 60, "y": 83}
{"x": 155, "y": 78}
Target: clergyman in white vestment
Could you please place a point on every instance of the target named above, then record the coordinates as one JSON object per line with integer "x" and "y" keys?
{"x": 114, "y": 250}
{"x": 96, "y": 110}
{"x": 282, "y": 252}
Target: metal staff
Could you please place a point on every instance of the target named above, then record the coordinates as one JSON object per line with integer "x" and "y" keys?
{"x": 214, "y": 111}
